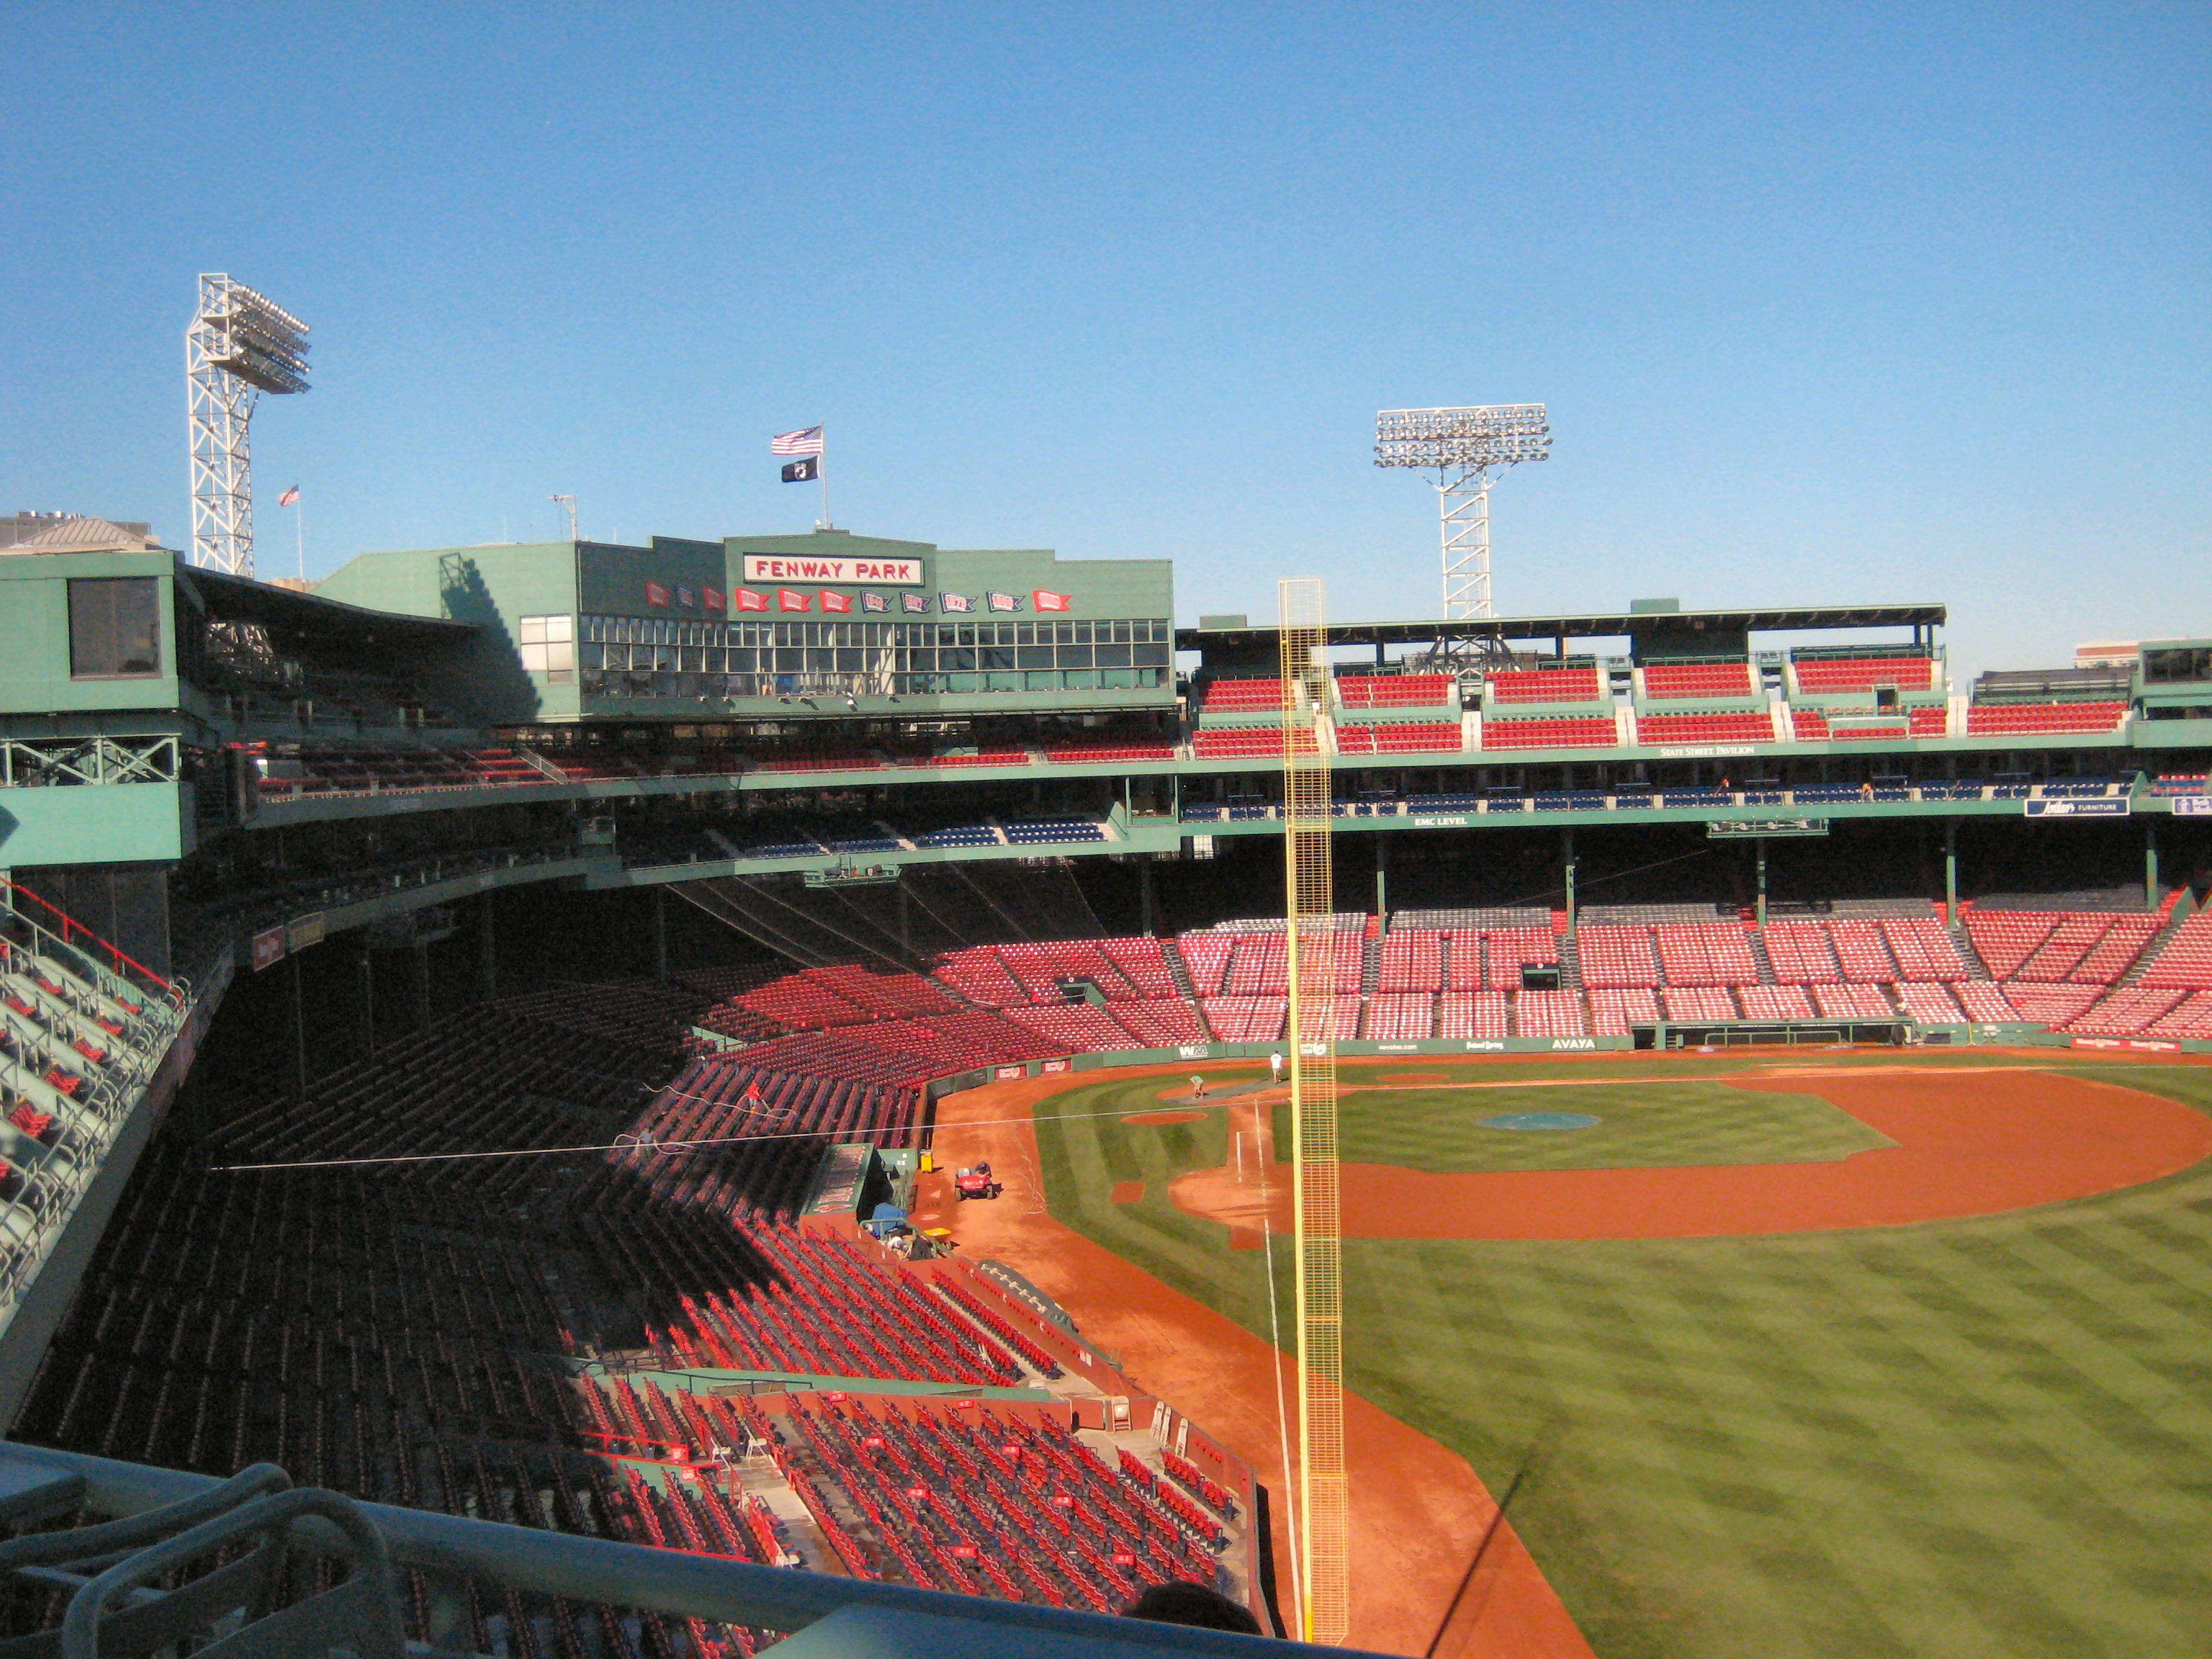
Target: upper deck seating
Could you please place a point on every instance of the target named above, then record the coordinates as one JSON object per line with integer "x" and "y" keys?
{"x": 1543, "y": 685}
{"x": 1572, "y": 732}
{"x": 1042, "y": 831}
{"x": 1396, "y": 690}
{"x": 1696, "y": 679}
{"x": 1812, "y": 726}
{"x": 1985, "y": 720}
{"x": 1248, "y": 743}
{"x": 1383, "y": 737}
{"x": 1840, "y": 674}
{"x": 1751, "y": 726}
{"x": 1248, "y": 696}
{"x": 1099, "y": 748}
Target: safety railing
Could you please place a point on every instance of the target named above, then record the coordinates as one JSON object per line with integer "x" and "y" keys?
{"x": 846, "y": 1615}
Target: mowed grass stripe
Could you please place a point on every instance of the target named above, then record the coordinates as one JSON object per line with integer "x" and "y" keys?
{"x": 1978, "y": 1437}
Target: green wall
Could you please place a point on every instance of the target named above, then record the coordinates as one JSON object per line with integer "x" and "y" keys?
{"x": 34, "y": 634}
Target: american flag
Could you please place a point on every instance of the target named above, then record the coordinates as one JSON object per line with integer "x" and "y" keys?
{"x": 288, "y": 496}
{"x": 807, "y": 440}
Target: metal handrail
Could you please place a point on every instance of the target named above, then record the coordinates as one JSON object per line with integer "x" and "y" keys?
{"x": 711, "y": 1588}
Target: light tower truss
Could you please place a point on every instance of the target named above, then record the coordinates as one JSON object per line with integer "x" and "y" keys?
{"x": 1463, "y": 447}
{"x": 241, "y": 343}
{"x": 1313, "y": 945}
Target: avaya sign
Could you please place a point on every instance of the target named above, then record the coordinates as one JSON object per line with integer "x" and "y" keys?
{"x": 780, "y": 567}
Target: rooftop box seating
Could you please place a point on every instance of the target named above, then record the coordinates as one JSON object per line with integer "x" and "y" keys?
{"x": 1263, "y": 696}
{"x": 1696, "y": 679}
{"x": 1573, "y": 731}
{"x": 2181, "y": 783}
{"x": 2186, "y": 958}
{"x": 1478, "y": 1016}
{"x": 1246, "y": 743}
{"x": 1391, "y": 738}
{"x": 1549, "y": 1014}
{"x": 1396, "y": 690}
{"x": 1543, "y": 685}
{"x": 1986, "y": 719}
{"x": 1753, "y": 725}
{"x": 1819, "y": 675}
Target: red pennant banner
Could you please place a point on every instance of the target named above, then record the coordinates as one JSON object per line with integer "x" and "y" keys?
{"x": 787, "y": 600}
{"x": 749, "y": 601}
{"x": 834, "y": 601}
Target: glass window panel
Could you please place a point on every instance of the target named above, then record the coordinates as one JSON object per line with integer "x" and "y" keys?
{"x": 1113, "y": 656}
{"x": 1071, "y": 656}
{"x": 559, "y": 628}
{"x": 1035, "y": 656}
{"x": 115, "y": 627}
{"x": 533, "y": 630}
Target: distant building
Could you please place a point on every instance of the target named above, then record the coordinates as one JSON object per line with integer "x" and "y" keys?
{"x": 72, "y": 532}
{"x": 2107, "y": 653}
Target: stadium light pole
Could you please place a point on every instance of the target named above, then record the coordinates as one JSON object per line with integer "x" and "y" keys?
{"x": 1462, "y": 447}
{"x": 239, "y": 344}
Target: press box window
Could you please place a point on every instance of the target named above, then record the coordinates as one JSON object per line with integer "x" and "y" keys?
{"x": 548, "y": 647}
{"x": 115, "y": 627}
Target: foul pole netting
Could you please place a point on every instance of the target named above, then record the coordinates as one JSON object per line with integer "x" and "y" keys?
{"x": 1309, "y": 920}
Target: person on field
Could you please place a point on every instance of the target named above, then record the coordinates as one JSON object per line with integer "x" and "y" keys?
{"x": 1183, "y": 1602}
{"x": 1197, "y": 1086}
{"x": 1275, "y": 1065}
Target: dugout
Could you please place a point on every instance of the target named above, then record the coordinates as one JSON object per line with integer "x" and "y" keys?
{"x": 1777, "y": 1033}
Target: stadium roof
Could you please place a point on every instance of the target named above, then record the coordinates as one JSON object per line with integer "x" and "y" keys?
{"x": 1578, "y": 626}
{"x": 305, "y": 620}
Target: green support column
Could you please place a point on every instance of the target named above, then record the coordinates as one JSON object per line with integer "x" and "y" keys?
{"x": 1950, "y": 873}
{"x": 1382, "y": 875}
{"x": 1144, "y": 896}
{"x": 1567, "y": 858}
{"x": 1762, "y": 883}
{"x": 2150, "y": 864}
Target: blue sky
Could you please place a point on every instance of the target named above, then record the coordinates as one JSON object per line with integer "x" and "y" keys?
{"x": 1829, "y": 304}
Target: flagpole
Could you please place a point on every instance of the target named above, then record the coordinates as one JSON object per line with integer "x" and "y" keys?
{"x": 299, "y": 533}
{"x": 821, "y": 470}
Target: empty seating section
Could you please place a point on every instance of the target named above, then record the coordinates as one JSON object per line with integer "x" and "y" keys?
{"x": 1240, "y": 697}
{"x": 1239, "y": 743}
{"x": 2047, "y": 1005}
{"x": 1040, "y": 967}
{"x": 2191, "y": 1018}
{"x": 1039, "y": 832}
{"x": 1985, "y": 1001}
{"x": 1751, "y": 726}
{"x": 1776, "y": 1002}
{"x": 1246, "y": 1018}
{"x": 965, "y": 835}
{"x": 1413, "y": 959}
{"x": 1811, "y": 725}
{"x": 1206, "y": 957}
{"x": 1612, "y": 1011}
{"x": 2128, "y": 1012}
{"x": 2186, "y": 959}
{"x": 1076, "y": 1028}
{"x": 1931, "y": 1004}
{"x": 1482, "y": 1016}
{"x": 1696, "y": 679}
{"x": 1853, "y": 1002}
{"x": 2006, "y": 938}
{"x": 1108, "y": 746}
{"x": 1143, "y": 962}
{"x": 1000, "y": 755}
{"x": 1160, "y": 1022}
{"x": 1924, "y": 950}
{"x": 1705, "y": 953}
{"x": 1988, "y": 720}
{"x": 1863, "y": 951}
{"x": 1699, "y": 1002}
{"x": 979, "y": 974}
{"x": 1572, "y": 732}
{"x": 1543, "y": 685}
{"x": 1820, "y": 675}
{"x": 1549, "y": 1014}
{"x": 1396, "y": 690}
{"x": 1385, "y": 738}
{"x": 1506, "y": 950}
{"x": 1400, "y": 1017}
{"x": 1616, "y": 956}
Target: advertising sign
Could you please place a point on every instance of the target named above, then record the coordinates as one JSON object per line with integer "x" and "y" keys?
{"x": 1010, "y": 1073}
{"x": 306, "y": 931}
{"x": 268, "y": 949}
{"x": 2193, "y": 806}
{"x": 2108, "y": 807}
{"x": 811, "y": 567}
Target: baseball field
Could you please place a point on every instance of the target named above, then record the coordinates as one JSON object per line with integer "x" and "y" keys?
{"x": 1847, "y": 1354}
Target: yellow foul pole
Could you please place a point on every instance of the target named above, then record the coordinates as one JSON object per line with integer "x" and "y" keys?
{"x": 1316, "y": 1227}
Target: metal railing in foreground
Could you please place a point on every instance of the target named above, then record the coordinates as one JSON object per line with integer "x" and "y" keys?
{"x": 839, "y": 1615}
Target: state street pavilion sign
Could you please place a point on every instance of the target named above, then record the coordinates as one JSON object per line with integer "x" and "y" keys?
{"x": 810, "y": 567}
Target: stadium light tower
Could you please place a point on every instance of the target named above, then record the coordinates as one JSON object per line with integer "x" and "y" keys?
{"x": 1462, "y": 447}
{"x": 241, "y": 345}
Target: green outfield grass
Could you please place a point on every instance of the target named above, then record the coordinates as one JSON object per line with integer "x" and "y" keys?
{"x": 1965, "y": 1439}
{"x": 1692, "y": 1120}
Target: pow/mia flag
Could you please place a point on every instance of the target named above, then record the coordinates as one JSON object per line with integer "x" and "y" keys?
{"x": 801, "y": 471}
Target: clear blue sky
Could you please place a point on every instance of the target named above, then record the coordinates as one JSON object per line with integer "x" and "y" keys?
{"x": 1829, "y": 304}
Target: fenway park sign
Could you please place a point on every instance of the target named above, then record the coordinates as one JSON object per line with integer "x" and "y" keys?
{"x": 807, "y": 567}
